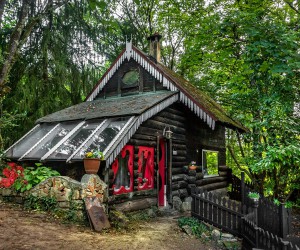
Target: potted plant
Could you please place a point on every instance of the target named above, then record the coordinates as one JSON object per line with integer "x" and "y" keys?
{"x": 254, "y": 196}
{"x": 92, "y": 161}
{"x": 192, "y": 165}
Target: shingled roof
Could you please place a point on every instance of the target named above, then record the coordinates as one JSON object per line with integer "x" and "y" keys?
{"x": 199, "y": 102}
{"x": 107, "y": 108}
{"x": 206, "y": 102}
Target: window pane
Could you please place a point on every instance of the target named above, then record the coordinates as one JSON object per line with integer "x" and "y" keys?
{"x": 51, "y": 140}
{"x": 210, "y": 162}
{"x": 70, "y": 145}
{"x": 30, "y": 140}
{"x": 101, "y": 140}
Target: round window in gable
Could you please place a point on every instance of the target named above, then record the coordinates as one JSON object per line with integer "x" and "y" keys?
{"x": 131, "y": 78}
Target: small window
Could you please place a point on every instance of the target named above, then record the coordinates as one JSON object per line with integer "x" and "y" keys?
{"x": 210, "y": 163}
{"x": 131, "y": 78}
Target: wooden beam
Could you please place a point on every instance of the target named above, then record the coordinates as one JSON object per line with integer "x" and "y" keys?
{"x": 134, "y": 205}
{"x": 210, "y": 180}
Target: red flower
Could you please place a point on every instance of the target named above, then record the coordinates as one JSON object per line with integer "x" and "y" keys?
{"x": 19, "y": 168}
{"x": 5, "y": 182}
{"x": 6, "y": 172}
{"x": 13, "y": 175}
{"x": 12, "y": 164}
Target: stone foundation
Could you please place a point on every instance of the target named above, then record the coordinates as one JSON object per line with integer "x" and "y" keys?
{"x": 68, "y": 193}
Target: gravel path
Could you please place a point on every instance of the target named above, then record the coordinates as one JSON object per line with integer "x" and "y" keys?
{"x": 21, "y": 229}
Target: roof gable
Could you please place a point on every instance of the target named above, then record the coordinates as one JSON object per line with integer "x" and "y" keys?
{"x": 198, "y": 102}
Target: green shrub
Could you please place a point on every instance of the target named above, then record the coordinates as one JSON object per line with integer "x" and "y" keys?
{"x": 34, "y": 176}
{"x": 40, "y": 203}
{"x": 197, "y": 227}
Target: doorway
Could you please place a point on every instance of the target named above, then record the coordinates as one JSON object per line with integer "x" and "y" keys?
{"x": 162, "y": 169}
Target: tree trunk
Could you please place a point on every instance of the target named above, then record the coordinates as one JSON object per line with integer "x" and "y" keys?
{"x": 13, "y": 47}
{"x": 2, "y": 4}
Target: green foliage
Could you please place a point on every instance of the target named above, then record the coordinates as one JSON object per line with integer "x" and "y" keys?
{"x": 197, "y": 227}
{"x": 34, "y": 176}
{"x": 40, "y": 203}
{"x": 253, "y": 195}
{"x": 243, "y": 53}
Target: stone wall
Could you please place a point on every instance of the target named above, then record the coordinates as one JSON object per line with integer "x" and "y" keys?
{"x": 68, "y": 193}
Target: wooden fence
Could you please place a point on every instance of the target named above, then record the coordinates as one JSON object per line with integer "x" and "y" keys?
{"x": 256, "y": 237}
{"x": 240, "y": 220}
{"x": 271, "y": 217}
{"x": 220, "y": 212}
{"x": 274, "y": 218}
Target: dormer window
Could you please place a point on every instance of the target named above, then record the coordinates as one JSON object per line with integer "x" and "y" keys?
{"x": 130, "y": 79}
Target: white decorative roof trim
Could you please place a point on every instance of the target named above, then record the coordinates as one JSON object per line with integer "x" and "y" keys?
{"x": 128, "y": 52}
{"x": 156, "y": 74}
{"x": 111, "y": 72}
{"x": 124, "y": 136}
{"x": 197, "y": 110}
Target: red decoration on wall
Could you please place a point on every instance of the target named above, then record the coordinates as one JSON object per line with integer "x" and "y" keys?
{"x": 121, "y": 187}
{"x": 145, "y": 168}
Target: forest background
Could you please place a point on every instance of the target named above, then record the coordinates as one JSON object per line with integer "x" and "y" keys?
{"x": 245, "y": 54}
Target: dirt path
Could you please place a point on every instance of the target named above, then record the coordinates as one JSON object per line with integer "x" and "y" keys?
{"x": 29, "y": 230}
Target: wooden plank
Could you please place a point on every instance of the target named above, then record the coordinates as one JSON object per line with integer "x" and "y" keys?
{"x": 172, "y": 116}
{"x": 175, "y": 110}
{"x": 211, "y": 180}
{"x": 169, "y": 122}
{"x": 134, "y": 205}
{"x": 96, "y": 214}
{"x": 161, "y": 126}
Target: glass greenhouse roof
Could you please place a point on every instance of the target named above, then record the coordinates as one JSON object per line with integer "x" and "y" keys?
{"x": 69, "y": 140}
{"x": 105, "y": 125}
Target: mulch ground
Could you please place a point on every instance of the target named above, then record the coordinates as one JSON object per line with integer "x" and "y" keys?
{"x": 294, "y": 236}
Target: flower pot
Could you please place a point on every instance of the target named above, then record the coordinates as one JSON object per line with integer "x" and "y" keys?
{"x": 192, "y": 167}
{"x": 91, "y": 165}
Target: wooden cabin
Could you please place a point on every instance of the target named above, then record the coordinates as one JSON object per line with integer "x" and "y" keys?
{"x": 150, "y": 124}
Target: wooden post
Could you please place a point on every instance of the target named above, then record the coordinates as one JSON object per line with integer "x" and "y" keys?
{"x": 255, "y": 208}
{"x": 243, "y": 193}
{"x": 157, "y": 165}
{"x": 170, "y": 172}
{"x": 283, "y": 221}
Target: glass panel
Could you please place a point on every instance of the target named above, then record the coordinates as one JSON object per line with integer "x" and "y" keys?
{"x": 210, "y": 162}
{"x": 70, "y": 145}
{"x": 50, "y": 141}
{"x": 131, "y": 77}
{"x": 101, "y": 139}
{"x": 30, "y": 140}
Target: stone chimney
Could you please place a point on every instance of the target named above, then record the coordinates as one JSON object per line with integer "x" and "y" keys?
{"x": 155, "y": 46}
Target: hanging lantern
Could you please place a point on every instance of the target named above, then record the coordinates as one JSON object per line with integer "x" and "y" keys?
{"x": 167, "y": 133}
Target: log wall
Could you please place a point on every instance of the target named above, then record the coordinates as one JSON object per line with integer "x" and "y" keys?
{"x": 190, "y": 136}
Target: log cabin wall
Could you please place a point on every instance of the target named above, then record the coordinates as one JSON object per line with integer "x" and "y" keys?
{"x": 201, "y": 137}
{"x": 190, "y": 136}
{"x": 146, "y": 135}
